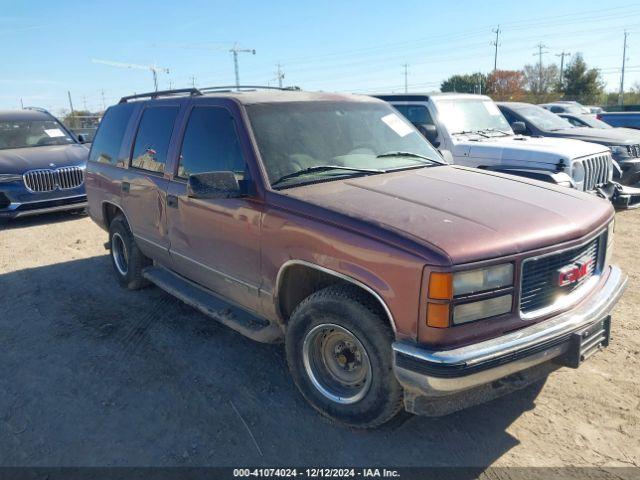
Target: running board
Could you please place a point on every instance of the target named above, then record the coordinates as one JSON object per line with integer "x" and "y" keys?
{"x": 213, "y": 306}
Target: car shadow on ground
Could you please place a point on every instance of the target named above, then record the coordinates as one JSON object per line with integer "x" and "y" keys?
{"x": 98, "y": 375}
{"x": 36, "y": 220}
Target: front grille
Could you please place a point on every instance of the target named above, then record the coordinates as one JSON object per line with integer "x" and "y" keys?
{"x": 539, "y": 275}
{"x": 596, "y": 170}
{"x": 47, "y": 180}
{"x": 633, "y": 150}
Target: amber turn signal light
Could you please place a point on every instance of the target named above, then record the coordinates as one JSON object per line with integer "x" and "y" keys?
{"x": 438, "y": 315}
{"x": 441, "y": 286}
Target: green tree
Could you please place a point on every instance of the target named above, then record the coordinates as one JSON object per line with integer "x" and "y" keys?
{"x": 541, "y": 80}
{"x": 473, "y": 83}
{"x": 582, "y": 83}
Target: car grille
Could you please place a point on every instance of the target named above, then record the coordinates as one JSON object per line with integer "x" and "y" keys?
{"x": 539, "y": 275}
{"x": 596, "y": 170}
{"x": 633, "y": 150}
{"x": 62, "y": 178}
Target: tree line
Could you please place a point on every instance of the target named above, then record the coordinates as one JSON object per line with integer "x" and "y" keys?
{"x": 538, "y": 83}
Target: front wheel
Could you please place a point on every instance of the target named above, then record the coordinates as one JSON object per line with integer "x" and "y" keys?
{"x": 339, "y": 354}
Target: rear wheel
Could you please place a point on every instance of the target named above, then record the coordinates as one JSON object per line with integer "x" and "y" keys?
{"x": 339, "y": 354}
{"x": 126, "y": 258}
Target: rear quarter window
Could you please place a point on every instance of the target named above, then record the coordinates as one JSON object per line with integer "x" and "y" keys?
{"x": 106, "y": 145}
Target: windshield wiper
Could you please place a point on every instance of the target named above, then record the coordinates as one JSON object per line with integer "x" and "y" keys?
{"x": 497, "y": 130}
{"x": 475, "y": 132}
{"x": 324, "y": 168}
{"x": 409, "y": 154}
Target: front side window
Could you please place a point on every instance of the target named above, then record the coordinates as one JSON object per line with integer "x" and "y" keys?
{"x": 32, "y": 133}
{"x": 543, "y": 119}
{"x": 471, "y": 116}
{"x": 108, "y": 140}
{"x": 152, "y": 140}
{"x": 416, "y": 114}
{"x": 296, "y": 137}
{"x": 211, "y": 144}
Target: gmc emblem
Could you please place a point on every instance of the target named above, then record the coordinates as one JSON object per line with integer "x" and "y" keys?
{"x": 573, "y": 272}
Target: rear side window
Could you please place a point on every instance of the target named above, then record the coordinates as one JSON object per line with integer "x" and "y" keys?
{"x": 153, "y": 137}
{"x": 210, "y": 144}
{"x": 416, "y": 114}
{"x": 106, "y": 145}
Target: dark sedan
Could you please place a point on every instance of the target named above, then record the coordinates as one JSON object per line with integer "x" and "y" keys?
{"x": 42, "y": 165}
{"x": 533, "y": 120}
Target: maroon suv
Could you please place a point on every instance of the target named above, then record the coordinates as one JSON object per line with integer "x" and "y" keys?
{"x": 328, "y": 222}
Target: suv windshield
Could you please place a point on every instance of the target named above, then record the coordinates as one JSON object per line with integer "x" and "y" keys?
{"x": 543, "y": 119}
{"x": 305, "y": 140}
{"x": 32, "y": 133}
{"x": 472, "y": 115}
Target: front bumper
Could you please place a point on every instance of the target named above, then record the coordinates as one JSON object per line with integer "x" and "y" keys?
{"x": 17, "y": 201}
{"x": 449, "y": 373}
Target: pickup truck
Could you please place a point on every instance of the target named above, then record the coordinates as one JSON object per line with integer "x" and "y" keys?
{"x": 470, "y": 130}
{"x": 327, "y": 222}
{"x": 621, "y": 119}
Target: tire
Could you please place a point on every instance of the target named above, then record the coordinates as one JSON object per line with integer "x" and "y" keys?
{"x": 126, "y": 258}
{"x": 339, "y": 354}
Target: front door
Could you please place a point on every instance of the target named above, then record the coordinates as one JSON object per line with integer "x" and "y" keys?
{"x": 214, "y": 242}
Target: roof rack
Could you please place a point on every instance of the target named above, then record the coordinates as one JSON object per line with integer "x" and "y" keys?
{"x": 162, "y": 93}
{"x": 195, "y": 92}
{"x": 37, "y": 109}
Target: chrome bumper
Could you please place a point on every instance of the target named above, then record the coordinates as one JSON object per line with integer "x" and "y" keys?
{"x": 447, "y": 372}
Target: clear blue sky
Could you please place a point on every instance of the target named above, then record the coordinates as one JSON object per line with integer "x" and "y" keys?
{"x": 47, "y": 47}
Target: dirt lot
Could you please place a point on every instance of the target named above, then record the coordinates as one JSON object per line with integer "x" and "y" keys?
{"x": 96, "y": 375}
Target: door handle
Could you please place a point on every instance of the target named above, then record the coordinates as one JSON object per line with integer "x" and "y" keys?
{"x": 126, "y": 186}
{"x": 172, "y": 201}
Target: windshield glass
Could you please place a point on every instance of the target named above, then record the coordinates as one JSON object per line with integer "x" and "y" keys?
{"x": 543, "y": 119}
{"x": 593, "y": 122}
{"x": 296, "y": 136}
{"x": 31, "y": 133}
{"x": 471, "y": 115}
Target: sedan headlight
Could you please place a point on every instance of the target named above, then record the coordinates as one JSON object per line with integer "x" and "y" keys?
{"x": 10, "y": 177}
{"x": 619, "y": 151}
{"x": 470, "y": 295}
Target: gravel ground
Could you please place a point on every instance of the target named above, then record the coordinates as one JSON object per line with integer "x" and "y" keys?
{"x": 93, "y": 375}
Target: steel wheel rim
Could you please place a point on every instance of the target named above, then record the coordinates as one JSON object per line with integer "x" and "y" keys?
{"x": 120, "y": 254}
{"x": 337, "y": 363}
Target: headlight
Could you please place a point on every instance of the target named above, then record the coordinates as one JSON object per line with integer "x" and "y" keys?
{"x": 610, "y": 233}
{"x": 577, "y": 174}
{"x": 619, "y": 150}
{"x": 483, "y": 279}
{"x": 9, "y": 177}
{"x": 450, "y": 295}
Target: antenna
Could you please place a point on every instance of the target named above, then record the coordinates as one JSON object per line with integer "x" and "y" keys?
{"x": 153, "y": 68}
{"x": 235, "y": 51}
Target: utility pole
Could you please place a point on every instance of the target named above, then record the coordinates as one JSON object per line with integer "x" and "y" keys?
{"x": 73, "y": 115}
{"x": 279, "y": 75}
{"x": 21, "y": 103}
{"x": 235, "y": 51}
{"x": 540, "y": 46}
{"x": 154, "y": 69}
{"x": 406, "y": 74}
{"x": 624, "y": 60}
{"x": 104, "y": 105}
{"x": 193, "y": 81}
{"x": 84, "y": 102}
{"x": 495, "y": 44}
{"x": 562, "y": 55}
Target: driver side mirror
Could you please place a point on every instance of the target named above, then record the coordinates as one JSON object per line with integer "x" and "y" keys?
{"x": 213, "y": 185}
{"x": 519, "y": 128}
{"x": 81, "y": 138}
{"x": 430, "y": 132}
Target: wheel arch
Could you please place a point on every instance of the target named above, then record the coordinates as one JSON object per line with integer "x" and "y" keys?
{"x": 305, "y": 278}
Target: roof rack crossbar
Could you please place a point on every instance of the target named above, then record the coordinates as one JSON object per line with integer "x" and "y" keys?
{"x": 229, "y": 88}
{"x": 37, "y": 109}
{"x": 162, "y": 93}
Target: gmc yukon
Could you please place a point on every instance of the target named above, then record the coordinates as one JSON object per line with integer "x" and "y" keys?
{"x": 329, "y": 223}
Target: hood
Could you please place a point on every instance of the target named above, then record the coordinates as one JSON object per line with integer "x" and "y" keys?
{"x": 469, "y": 214}
{"x": 517, "y": 148}
{"x": 20, "y": 160}
{"x": 603, "y": 136}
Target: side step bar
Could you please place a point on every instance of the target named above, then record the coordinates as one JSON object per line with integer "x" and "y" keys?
{"x": 213, "y": 306}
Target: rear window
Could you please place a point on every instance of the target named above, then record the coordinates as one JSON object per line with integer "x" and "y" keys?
{"x": 152, "y": 140}
{"x": 108, "y": 140}
{"x": 416, "y": 114}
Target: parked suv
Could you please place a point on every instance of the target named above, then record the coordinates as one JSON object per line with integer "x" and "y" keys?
{"x": 328, "y": 222}
{"x": 41, "y": 165}
{"x": 623, "y": 143}
{"x": 470, "y": 130}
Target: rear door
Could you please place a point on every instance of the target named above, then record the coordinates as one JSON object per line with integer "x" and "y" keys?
{"x": 144, "y": 185}
{"x": 215, "y": 242}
